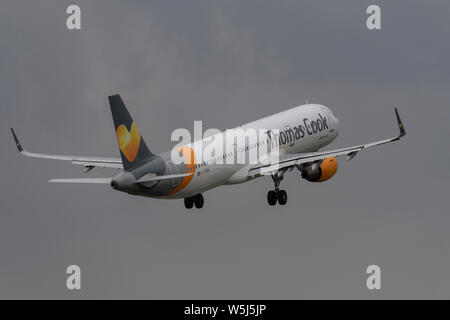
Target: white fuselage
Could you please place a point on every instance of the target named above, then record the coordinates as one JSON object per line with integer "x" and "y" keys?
{"x": 305, "y": 128}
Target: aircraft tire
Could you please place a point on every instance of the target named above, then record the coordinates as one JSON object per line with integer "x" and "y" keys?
{"x": 282, "y": 197}
{"x": 272, "y": 198}
{"x": 199, "y": 201}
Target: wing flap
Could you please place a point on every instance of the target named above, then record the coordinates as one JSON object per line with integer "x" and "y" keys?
{"x": 99, "y": 164}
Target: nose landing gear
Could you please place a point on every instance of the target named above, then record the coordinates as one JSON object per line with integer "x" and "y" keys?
{"x": 196, "y": 200}
{"x": 277, "y": 194}
{"x": 274, "y": 195}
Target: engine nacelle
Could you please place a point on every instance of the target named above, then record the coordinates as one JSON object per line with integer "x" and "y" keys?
{"x": 320, "y": 172}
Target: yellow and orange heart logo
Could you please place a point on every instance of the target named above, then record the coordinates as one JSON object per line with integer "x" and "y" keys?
{"x": 128, "y": 141}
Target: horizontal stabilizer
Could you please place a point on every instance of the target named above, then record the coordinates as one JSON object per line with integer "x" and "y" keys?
{"x": 83, "y": 180}
{"x": 150, "y": 178}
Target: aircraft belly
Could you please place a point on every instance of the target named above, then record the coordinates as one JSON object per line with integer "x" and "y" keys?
{"x": 204, "y": 181}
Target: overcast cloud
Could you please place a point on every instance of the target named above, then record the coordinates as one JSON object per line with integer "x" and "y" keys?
{"x": 226, "y": 63}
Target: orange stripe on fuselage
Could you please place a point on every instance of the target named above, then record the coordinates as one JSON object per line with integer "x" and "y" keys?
{"x": 189, "y": 155}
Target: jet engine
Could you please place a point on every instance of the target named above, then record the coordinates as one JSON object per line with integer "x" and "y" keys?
{"x": 319, "y": 171}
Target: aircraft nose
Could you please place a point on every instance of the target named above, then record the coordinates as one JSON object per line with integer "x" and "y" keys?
{"x": 336, "y": 123}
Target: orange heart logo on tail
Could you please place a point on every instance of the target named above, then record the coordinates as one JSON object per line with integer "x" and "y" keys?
{"x": 128, "y": 141}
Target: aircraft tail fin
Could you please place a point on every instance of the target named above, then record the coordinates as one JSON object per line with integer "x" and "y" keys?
{"x": 133, "y": 150}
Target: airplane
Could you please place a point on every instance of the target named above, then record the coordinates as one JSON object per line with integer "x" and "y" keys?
{"x": 298, "y": 132}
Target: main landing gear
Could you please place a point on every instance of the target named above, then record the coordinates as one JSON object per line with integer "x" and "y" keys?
{"x": 196, "y": 200}
{"x": 277, "y": 194}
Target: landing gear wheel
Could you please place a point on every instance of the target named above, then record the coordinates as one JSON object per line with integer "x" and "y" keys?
{"x": 199, "y": 201}
{"x": 282, "y": 197}
{"x": 188, "y": 202}
{"x": 272, "y": 197}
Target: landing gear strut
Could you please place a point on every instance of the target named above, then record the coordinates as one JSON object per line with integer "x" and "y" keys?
{"x": 277, "y": 194}
{"x": 196, "y": 200}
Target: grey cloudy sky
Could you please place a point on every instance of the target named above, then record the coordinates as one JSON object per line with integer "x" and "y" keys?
{"x": 226, "y": 63}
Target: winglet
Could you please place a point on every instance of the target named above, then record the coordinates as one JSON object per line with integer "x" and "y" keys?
{"x": 19, "y": 146}
{"x": 400, "y": 124}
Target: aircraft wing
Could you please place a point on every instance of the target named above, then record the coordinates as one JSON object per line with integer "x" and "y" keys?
{"x": 88, "y": 162}
{"x": 290, "y": 160}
